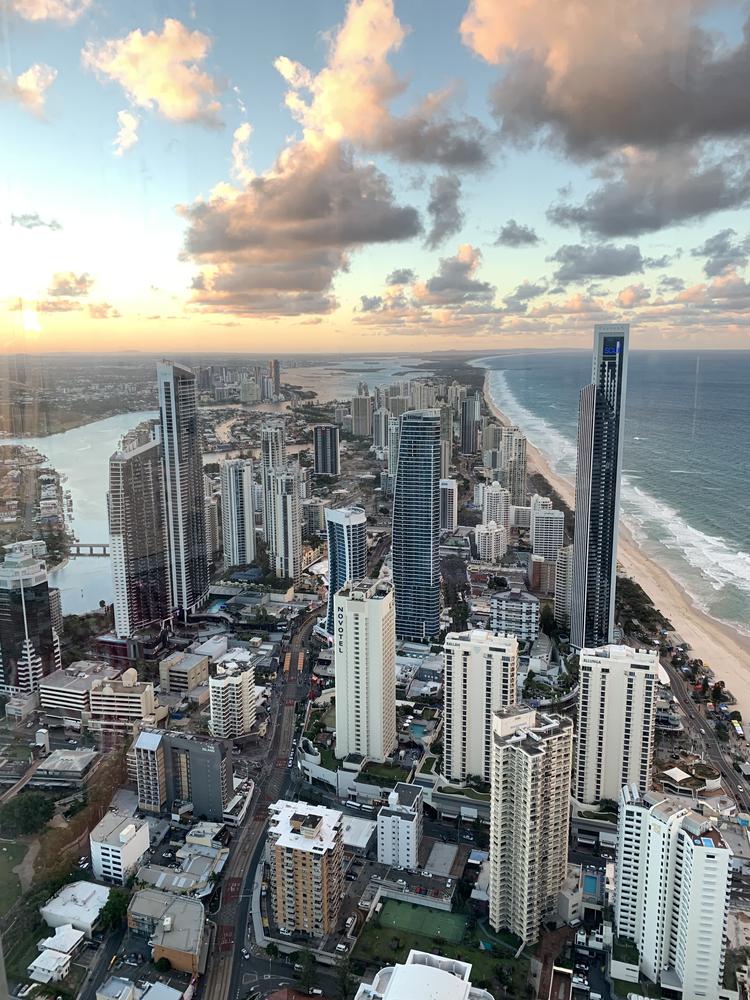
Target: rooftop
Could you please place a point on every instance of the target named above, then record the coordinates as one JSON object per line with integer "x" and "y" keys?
{"x": 115, "y": 988}
{"x": 303, "y": 827}
{"x": 67, "y": 761}
{"x": 78, "y": 902}
{"x": 179, "y": 920}
{"x": 116, "y": 828}
{"x": 79, "y": 676}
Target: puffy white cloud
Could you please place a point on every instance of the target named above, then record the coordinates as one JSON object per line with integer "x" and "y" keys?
{"x": 62, "y": 11}
{"x": 241, "y": 170}
{"x": 30, "y": 88}
{"x": 127, "y": 133}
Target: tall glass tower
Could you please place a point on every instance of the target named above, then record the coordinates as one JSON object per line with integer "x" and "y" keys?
{"x": 416, "y": 526}
{"x": 346, "y": 528}
{"x": 183, "y": 485}
{"x": 598, "y": 469}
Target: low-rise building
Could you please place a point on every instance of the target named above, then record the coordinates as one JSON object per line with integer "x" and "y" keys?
{"x": 118, "y": 842}
{"x": 180, "y": 673}
{"x": 515, "y": 612}
{"x": 174, "y": 926}
{"x": 95, "y": 696}
{"x": 400, "y": 826}
{"x": 78, "y": 904}
{"x": 423, "y": 975}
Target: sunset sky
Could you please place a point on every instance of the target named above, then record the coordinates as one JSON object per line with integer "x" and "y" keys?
{"x": 373, "y": 176}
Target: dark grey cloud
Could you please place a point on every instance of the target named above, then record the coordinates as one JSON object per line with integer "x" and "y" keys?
{"x": 456, "y": 283}
{"x": 645, "y": 193}
{"x": 371, "y": 302}
{"x": 513, "y": 234}
{"x": 671, "y": 283}
{"x": 723, "y": 252}
{"x": 401, "y": 276}
{"x": 444, "y": 209}
{"x": 32, "y": 220}
{"x": 578, "y": 262}
{"x": 517, "y": 301}
{"x": 422, "y": 137}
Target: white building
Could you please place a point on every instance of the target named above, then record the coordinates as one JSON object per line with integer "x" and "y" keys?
{"x": 563, "y": 585}
{"x": 365, "y": 670}
{"x": 78, "y": 904}
{"x": 616, "y": 716}
{"x": 120, "y": 704}
{"x": 495, "y": 500}
{"x": 547, "y": 532}
{"x": 238, "y": 511}
{"x": 448, "y": 504}
{"x": 530, "y": 818}
{"x": 287, "y": 534}
{"x": 272, "y": 458}
{"x": 423, "y": 975}
{"x": 673, "y": 874}
{"x": 491, "y": 541}
{"x": 517, "y": 613}
{"x": 233, "y": 706}
{"x": 118, "y": 842}
{"x": 400, "y": 826}
{"x": 95, "y": 696}
{"x": 480, "y": 677}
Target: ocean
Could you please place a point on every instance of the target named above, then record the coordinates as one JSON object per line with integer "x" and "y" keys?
{"x": 686, "y": 469}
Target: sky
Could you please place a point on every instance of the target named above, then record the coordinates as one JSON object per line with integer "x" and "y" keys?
{"x": 373, "y": 175}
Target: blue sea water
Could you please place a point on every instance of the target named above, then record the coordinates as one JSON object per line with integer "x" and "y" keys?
{"x": 686, "y": 470}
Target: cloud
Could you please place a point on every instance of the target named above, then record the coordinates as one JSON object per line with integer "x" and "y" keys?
{"x": 103, "y": 310}
{"x": 241, "y": 170}
{"x": 600, "y": 76}
{"x": 349, "y": 99}
{"x": 58, "y": 305}
{"x": 517, "y": 301}
{"x": 32, "y": 220}
{"x": 602, "y": 260}
{"x": 444, "y": 210}
{"x": 401, "y": 276}
{"x": 513, "y": 234}
{"x": 30, "y": 88}
{"x": 455, "y": 282}
{"x": 371, "y": 302}
{"x": 645, "y": 192}
{"x": 723, "y": 253}
{"x": 632, "y": 296}
{"x": 671, "y": 283}
{"x": 62, "y": 11}
{"x": 274, "y": 247}
{"x": 68, "y": 283}
{"x": 127, "y": 134}
{"x": 161, "y": 71}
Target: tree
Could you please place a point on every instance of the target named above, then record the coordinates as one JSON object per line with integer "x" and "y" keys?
{"x": 115, "y": 910}
{"x": 272, "y": 950}
{"x": 27, "y": 813}
{"x": 547, "y": 622}
{"x": 163, "y": 964}
{"x": 307, "y": 972}
{"x": 705, "y": 684}
{"x": 722, "y": 731}
{"x": 345, "y": 980}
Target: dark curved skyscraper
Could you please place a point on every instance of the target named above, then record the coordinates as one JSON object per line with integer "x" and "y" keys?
{"x": 598, "y": 469}
{"x": 416, "y": 526}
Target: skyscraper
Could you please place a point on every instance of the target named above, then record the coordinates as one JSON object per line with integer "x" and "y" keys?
{"x": 272, "y": 456}
{"x": 563, "y": 585}
{"x": 326, "y": 460}
{"x": 547, "y": 532}
{"x": 286, "y": 549}
{"x": 514, "y": 463}
{"x": 598, "y": 469}
{"x": 138, "y": 536}
{"x": 469, "y": 425}
{"x": 616, "y": 717}
{"x": 347, "y": 551}
{"x": 185, "y": 502}
{"x": 448, "y": 504}
{"x": 274, "y": 371}
{"x": 380, "y": 419}
{"x": 238, "y": 511}
{"x": 416, "y": 526}
{"x": 29, "y": 647}
{"x": 496, "y": 505}
{"x": 480, "y": 677}
{"x": 364, "y": 646}
{"x": 529, "y": 819}
{"x": 232, "y": 699}
{"x": 362, "y": 408}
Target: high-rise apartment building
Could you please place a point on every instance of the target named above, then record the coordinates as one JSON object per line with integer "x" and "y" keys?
{"x": 468, "y": 439}
{"x": 616, "y": 717}
{"x": 274, "y": 371}
{"x": 515, "y": 612}
{"x": 305, "y": 852}
{"x": 496, "y": 505}
{"x": 448, "y": 504}
{"x": 400, "y": 827}
{"x": 29, "y": 646}
{"x": 232, "y": 699}
{"x": 238, "y": 511}
{"x": 480, "y": 677}
{"x": 601, "y": 422}
{"x": 181, "y": 768}
{"x": 446, "y": 455}
{"x": 563, "y": 586}
{"x": 673, "y": 876}
{"x": 547, "y": 532}
{"x": 530, "y": 818}
{"x": 362, "y": 409}
{"x": 138, "y": 536}
{"x": 313, "y": 516}
{"x": 514, "y": 464}
{"x": 365, "y": 667}
{"x": 346, "y": 528}
{"x": 491, "y": 541}
{"x": 326, "y": 452}
{"x": 380, "y": 419}
{"x": 272, "y": 457}
{"x": 185, "y": 503}
{"x": 394, "y": 433}
{"x": 286, "y": 550}
{"x": 416, "y": 526}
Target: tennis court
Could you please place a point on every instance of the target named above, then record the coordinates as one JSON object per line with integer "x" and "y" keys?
{"x": 423, "y": 920}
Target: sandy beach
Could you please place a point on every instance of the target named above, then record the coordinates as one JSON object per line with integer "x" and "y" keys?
{"x": 722, "y": 648}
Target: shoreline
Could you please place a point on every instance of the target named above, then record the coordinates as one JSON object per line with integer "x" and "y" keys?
{"x": 721, "y": 647}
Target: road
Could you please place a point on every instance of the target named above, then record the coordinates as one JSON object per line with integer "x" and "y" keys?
{"x": 98, "y": 969}
{"x": 733, "y": 782}
{"x": 226, "y": 967}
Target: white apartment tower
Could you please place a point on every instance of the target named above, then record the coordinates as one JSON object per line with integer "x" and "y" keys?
{"x": 616, "y": 715}
{"x": 530, "y": 817}
{"x": 400, "y": 826}
{"x": 491, "y": 541}
{"x": 448, "y": 504}
{"x": 286, "y": 547}
{"x": 232, "y": 697}
{"x": 238, "y": 512}
{"x": 365, "y": 669}
{"x": 496, "y": 505}
{"x": 480, "y": 678}
{"x": 673, "y": 875}
{"x": 547, "y": 533}
{"x": 272, "y": 457}
{"x": 514, "y": 463}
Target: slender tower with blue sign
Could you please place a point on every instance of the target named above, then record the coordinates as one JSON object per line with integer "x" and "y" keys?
{"x": 599, "y": 466}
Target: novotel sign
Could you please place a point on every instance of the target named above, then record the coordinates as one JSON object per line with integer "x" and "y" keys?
{"x": 340, "y": 629}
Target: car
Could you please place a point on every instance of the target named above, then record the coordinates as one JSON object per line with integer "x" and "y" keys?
{"x": 298, "y": 967}
{"x": 401, "y": 881}
{"x": 245, "y": 953}
{"x": 341, "y": 947}
{"x": 316, "y": 992}
{"x": 285, "y": 932}
{"x": 350, "y": 878}
{"x": 427, "y": 874}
